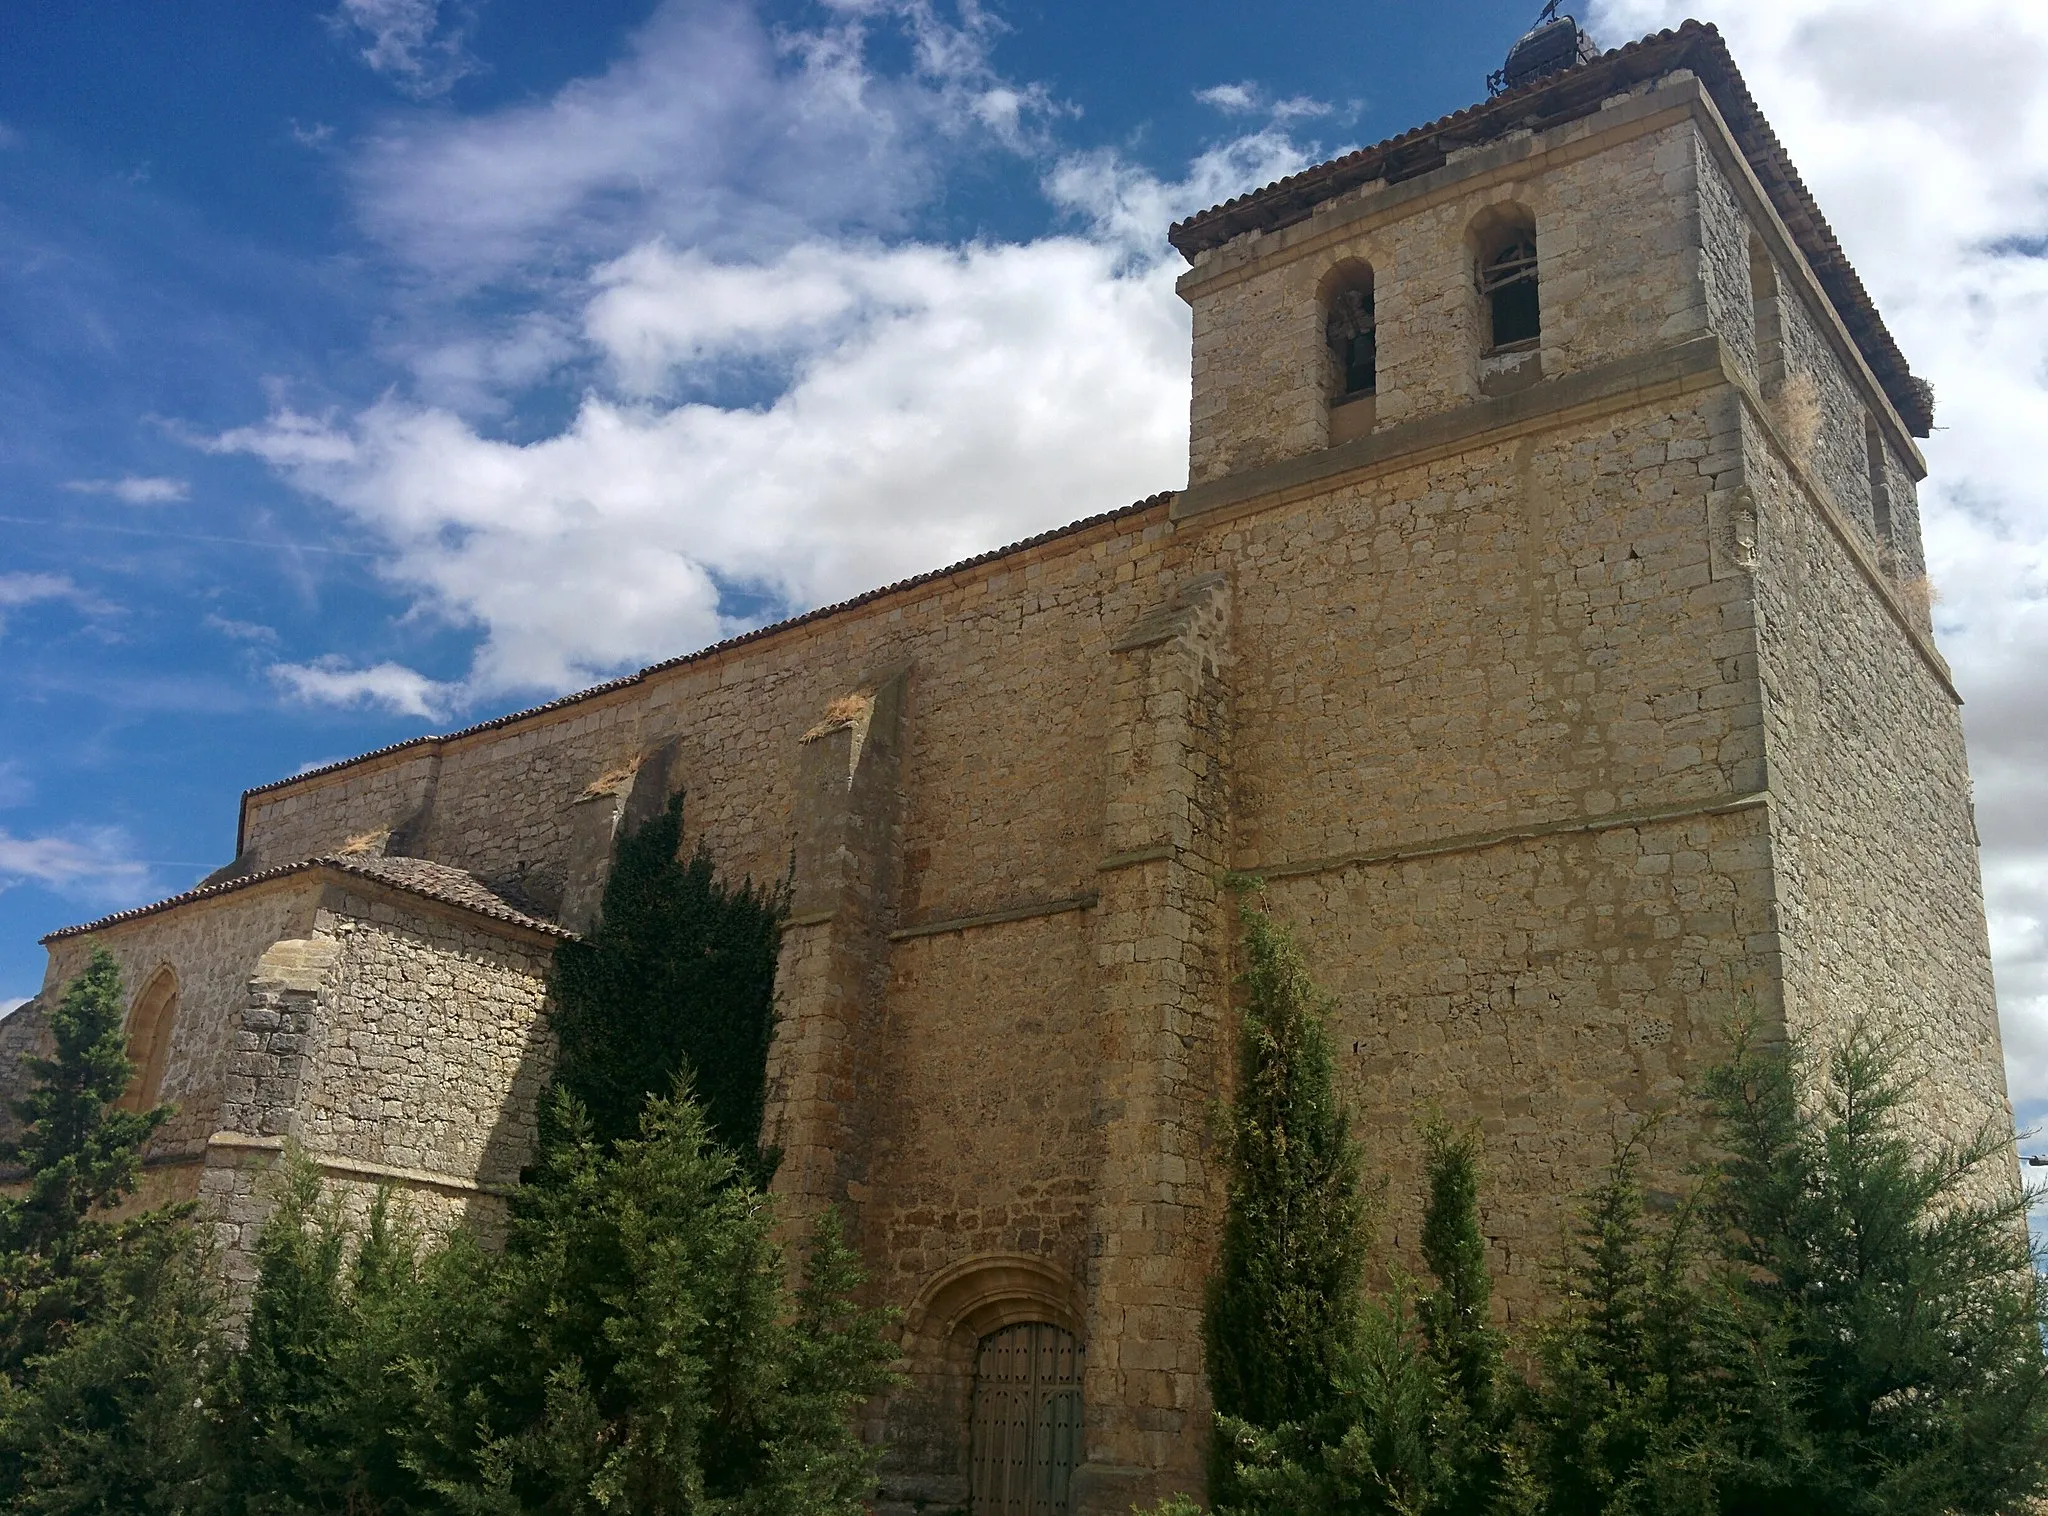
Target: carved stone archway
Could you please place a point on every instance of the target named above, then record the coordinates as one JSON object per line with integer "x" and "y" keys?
{"x": 958, "y": 1315}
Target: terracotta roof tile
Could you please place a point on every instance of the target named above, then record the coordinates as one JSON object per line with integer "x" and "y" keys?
{"x": 1567, "y": 95}
{"x": 413, "y": 876}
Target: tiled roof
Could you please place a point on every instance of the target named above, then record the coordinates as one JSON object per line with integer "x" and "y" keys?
{"x": 413, "y": 876}
{"x": 1568, "y": 95}
{"x": 822, "y": 613}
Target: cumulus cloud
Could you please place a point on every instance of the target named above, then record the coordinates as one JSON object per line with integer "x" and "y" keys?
{"x": 391, "y": 686}
{"x": 1923, "y": 132}
{"x": 954, "y": 399}
{"x": 133, "y": 489}
{"x": 713, "y": 130}
{"x": 95, "y": 864}
{"x": 411, "y": 42}
{"x": 1131, "y": 208}
{"x": 905, "y": 403}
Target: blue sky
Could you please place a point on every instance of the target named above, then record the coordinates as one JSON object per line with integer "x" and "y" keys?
{"x": 373, "y": 366}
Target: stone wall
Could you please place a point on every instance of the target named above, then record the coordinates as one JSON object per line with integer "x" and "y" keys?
{"x": 1726, "y": 234}
{"x": 400, "y": 1041}
{"x": 213, "y": 946}
{"x": 381, "y": 797}
{"x": 1880, "y": 903}
{"x": 401, "y": 1044}
{"x": 1553, "y": 989}
{"x": 1613, "y": 202}
{"x": 24, "y": 1034}
{"x": 436, "y": 1047}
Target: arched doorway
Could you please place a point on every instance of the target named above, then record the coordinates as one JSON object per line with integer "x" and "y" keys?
{"x": 149, "y": 1039}
{"x": 1027, "y": 1420}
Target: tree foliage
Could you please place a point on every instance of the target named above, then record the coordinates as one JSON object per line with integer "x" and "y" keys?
{"x": 106, "y": 1322}
{"x": 318, "y": 1410}
{"x": 634, "y": 1348}
{"x": 1327, "y": 1400}
{"x": 1840, "y": 1317}
{"x": 1624, "y": 1413}
{"x": 1420, "y": 1420}
{"x": 1283, "y": 1306}
{"x": 1882, "y": 1290}
{"x": 677, "y": 978}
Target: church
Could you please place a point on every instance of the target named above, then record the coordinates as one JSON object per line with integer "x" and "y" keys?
{"x": 1544, "y": 621}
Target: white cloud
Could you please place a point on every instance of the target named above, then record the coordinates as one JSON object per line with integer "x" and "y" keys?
{"x": 240, "y": 631}
{"x": 704, "y": 219}
{"x": 331, "y": 681}
{"x": 1248, "y": 98}
{"x": 19, "y": 590}
{"x": 96, "y": 864}
{"x": 1131, "y": 208}
{"x": 712, "y": 130}
{"x": 133, "y": 489}
{"x": 1923, "y": 132}
{"x": 957, "y": 399}
{"x": 1233, "y": 99}
{"x": 409, "y": 42}
{"x": 12, "y": 1003}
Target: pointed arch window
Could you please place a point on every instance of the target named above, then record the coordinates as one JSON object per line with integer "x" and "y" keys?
{"x": 149, "y": 1039}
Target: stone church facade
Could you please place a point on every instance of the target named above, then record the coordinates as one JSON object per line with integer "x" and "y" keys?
{"x": 1545, "y": 622}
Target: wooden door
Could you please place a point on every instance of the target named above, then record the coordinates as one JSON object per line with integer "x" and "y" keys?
{"x": 1027, "y": 1420}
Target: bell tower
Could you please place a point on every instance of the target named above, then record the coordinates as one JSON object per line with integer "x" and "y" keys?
{"x": 1607, "y": 645}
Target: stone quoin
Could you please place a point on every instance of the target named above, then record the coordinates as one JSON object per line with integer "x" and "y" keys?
{"x": 1545, "y": 620}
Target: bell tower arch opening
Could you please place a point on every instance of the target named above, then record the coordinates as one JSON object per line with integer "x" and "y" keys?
{"x": 1350, "y": 333}
{"x": 1504, "y": 238}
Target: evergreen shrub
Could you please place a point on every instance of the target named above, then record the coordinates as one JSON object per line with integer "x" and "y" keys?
{"x": 107, "y": 1322}
{"x": 1283, "y": 1307}
{"x": 676, "y": 979}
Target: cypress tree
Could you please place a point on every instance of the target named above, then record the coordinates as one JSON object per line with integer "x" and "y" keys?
{"x": 636, "y": 1347}
{"x": 1625, "y": 1413}
{"x": 677, "y": 978}
{"x": 1465, "y": 1456}
{"x": 1283, "y": 1309}
{"x": 312, "y": 1415}
{"x": 1884, "y": 1293}
{"x": 106, "y": 1323}
{"x": 1456, "y": 1313}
